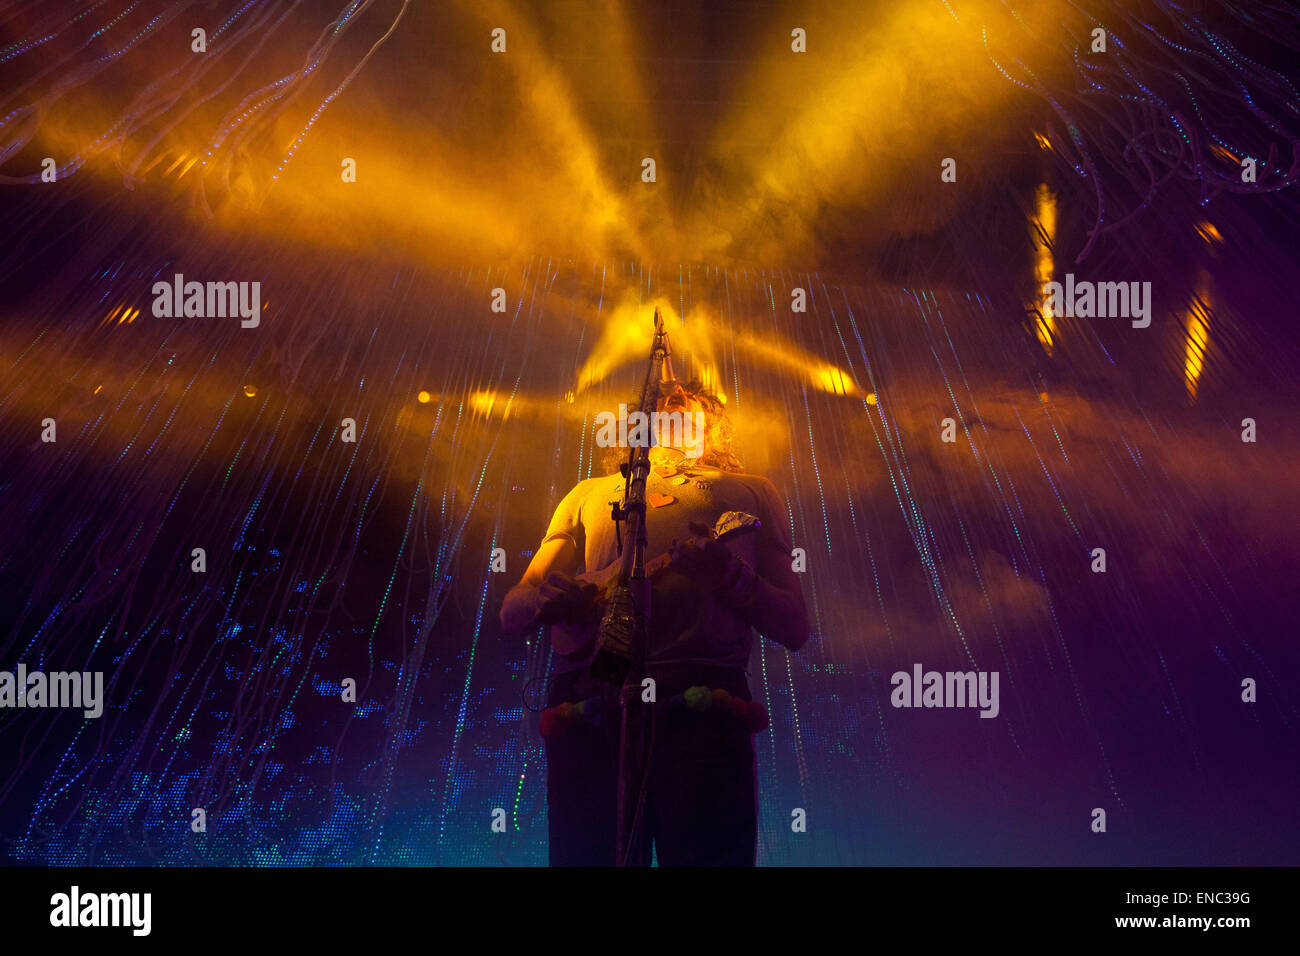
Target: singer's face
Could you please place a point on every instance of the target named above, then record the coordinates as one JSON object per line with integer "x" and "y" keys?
{"x": 677, "y": 399}
{"x": 690, "y": 437}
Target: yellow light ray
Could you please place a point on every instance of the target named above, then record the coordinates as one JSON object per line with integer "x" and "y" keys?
{"x": 843, "y": 129}
{"x": 180, "y": 158}
{"x": 627, "y": 332}
{"x": 625, "y": 340}
{"x": 1208, "y": 232}
{"x": 1043, "y": 237}
{"x": 561, "y": 134}
{"x": 188, "y": 166}
{"x": 1223, "y": 153}
{"x": 1197, "y": 322}
{"x": 503, "y": 405}
{"x": 787, "y": 355}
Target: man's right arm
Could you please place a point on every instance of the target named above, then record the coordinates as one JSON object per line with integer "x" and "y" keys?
{"x": 524, "y": 601}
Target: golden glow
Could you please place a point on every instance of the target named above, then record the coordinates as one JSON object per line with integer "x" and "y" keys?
{"x": 787, "y": 355}
{"x": 1209, "y": 233}
{"x": 843, "y": 127}
{"x": 1221, "y": 152}
{"x": 547, "y": 156}
{"x": 871, "y": 398}
{"x": 551, "y": 101}
{"x": 503, "y": 405}
{"x": 627, "y": 333}
{"x": 483, "y": 401}
{"x": 831, "y": 379}
{"x": 1043, "y": 141}
{"x": 1043, "y": 236}
{"x": 424, "y": 398}
{"x": 709, "y": 379}
{"x": 179, "y": 159}
{"x": 625, "y": 341}
{"x": 1197, "y": 322}
{"x": 250, "y": 390}
{"x": 491, "y": 402}
{"x": 124, "y": 313}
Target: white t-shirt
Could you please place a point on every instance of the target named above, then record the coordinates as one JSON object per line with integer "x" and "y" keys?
{"x": 687, "y": 623}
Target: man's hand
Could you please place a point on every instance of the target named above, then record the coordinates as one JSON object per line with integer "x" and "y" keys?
{"x": 562, "y": 599}
{"x": 703, "y": 558}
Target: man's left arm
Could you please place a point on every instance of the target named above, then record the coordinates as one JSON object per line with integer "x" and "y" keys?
{"x": 768, "y": 597}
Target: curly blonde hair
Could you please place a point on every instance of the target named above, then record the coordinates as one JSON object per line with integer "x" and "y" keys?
{"x": 718, "y": 436}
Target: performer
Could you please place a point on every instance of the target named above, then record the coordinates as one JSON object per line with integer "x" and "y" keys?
{"x": 700, "y": 798}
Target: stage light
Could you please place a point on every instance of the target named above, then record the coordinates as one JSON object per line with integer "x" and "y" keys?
{"x": 1043, "y": 237}
{"x": 1209, "y": 233}
{"x": 1197, "y": 323}
{"x": 833, "y": 380}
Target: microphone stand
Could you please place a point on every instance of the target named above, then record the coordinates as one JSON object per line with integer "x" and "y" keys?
{"x": 622, "y": 648}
